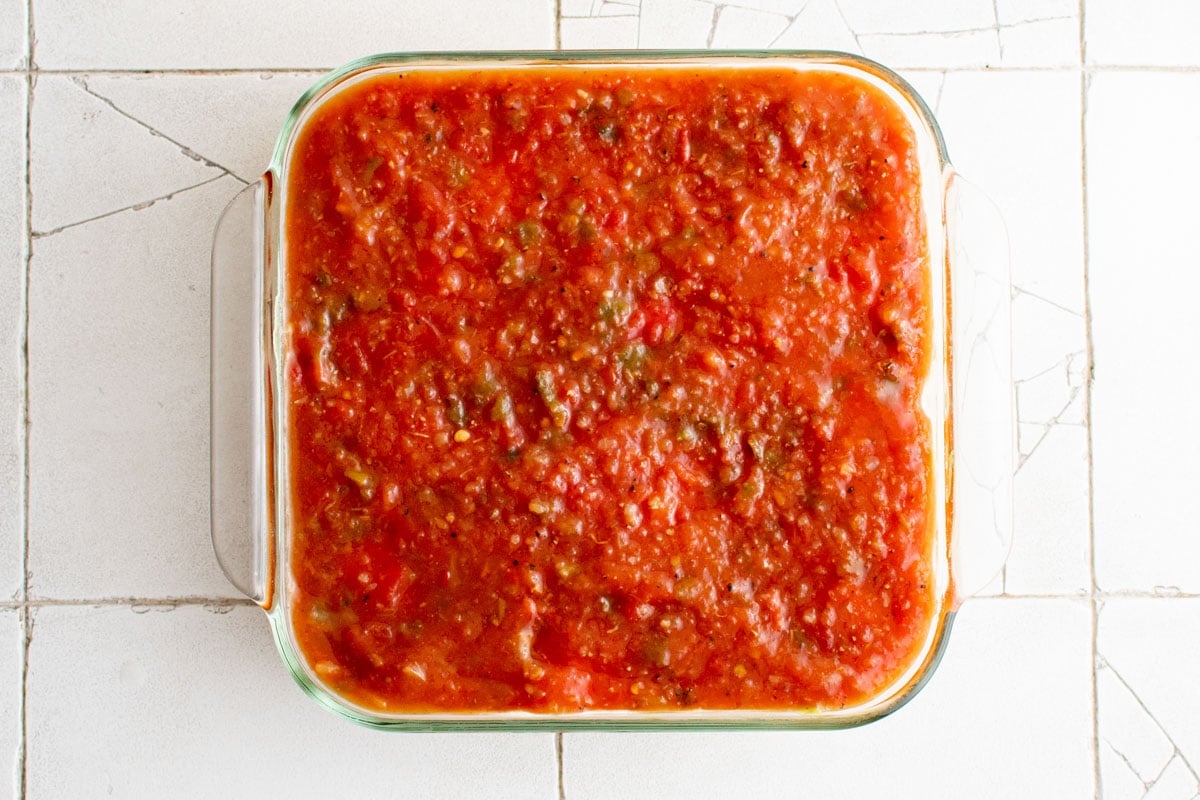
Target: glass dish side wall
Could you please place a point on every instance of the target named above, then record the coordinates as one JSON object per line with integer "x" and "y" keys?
{"x": 935, "y": 174}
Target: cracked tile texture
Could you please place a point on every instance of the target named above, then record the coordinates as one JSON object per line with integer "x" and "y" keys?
{"x": 122, "y": 648}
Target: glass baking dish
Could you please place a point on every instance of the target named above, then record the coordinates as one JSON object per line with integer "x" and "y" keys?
{"x": 967, "y": 394}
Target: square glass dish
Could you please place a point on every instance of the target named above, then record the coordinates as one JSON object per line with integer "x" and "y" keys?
{"x": 464, "y": 278}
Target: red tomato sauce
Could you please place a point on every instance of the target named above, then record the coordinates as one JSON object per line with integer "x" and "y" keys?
{"x": 604, "y": 391}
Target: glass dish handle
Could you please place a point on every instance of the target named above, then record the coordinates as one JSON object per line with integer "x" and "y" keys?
{"x": 241, "y": 478}
{"x": 983, "y": 431}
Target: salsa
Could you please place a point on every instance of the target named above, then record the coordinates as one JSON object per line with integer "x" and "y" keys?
{"x": 604, "y": 390}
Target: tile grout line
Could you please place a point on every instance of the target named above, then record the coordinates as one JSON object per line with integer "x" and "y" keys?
{"x": 558, "y": 757}
{"x": 1093, "y": 594}
{"x": 1089, "y": 69}
{"x": 26, "y": 611}
{"x": 149, "y": 72}
{"x": 558, "y": 24}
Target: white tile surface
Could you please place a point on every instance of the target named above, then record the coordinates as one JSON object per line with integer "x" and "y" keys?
{"x": 1147, "y": 651}
{"x": 985, "y": 118}
{"x": 1177, "y": 782}
{"x": 1050, "y": 550}
{"x": 14, "y": 29}
{"x": 118, "y": 384}
{"x": 676, "y": 23}
{"x": 192, "y": 703}
{"x": 180, "y": 108}
{"x": 1054, "y": 395}
{"x": 12, "y": 647}
{"x": 110, "y": 162}
{"x": 576, "y": 8}
{"x": 1133, "y": 744}
{"x": 119, "y": 403}
{"x": 920, "y": 16}
{"x": 1015, "y": 12}
{"x": 1146, "y": 434}
{"x": 1038, "y": 33}
{"x": 969, "y": 49}
{"x": 1117, "y": 780}
{"x": 12, "y": 304}
{"x": 1052, "y": 42}
{"x": 738, "y": 28}
{"x": 820, "y": 26}
{"x": 970, "y": 733}
{"x": 785, "y": 8}
{"x": 928, "y": 85}
{"x": 1048, "y": 341}
{"x": 616, "y": 8}
{"x": 922, "y": 35}
{"x": 228, "y": 34}
{"x": 600, "y": 33}
{"x": 1152, "y": 34}
{"x": 909, "y": 35}
{"x": 1016, "y": 136}
{"x": 1009, "y": 33}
